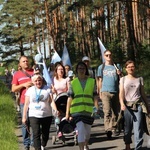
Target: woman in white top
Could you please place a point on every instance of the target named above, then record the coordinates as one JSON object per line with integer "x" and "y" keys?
{"x": 38, "y": 104}
{"x": 132, "y": 97}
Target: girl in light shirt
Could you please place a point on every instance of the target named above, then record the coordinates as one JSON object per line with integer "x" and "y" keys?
{"x": 60, "y": 86}
{"x": 132, "y": 99}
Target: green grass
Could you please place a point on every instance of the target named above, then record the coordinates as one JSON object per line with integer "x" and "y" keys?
{"x": 8, "y": 139}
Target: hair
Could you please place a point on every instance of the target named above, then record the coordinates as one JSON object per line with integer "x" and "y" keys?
{"x": 129, "y": 62}
{"x": 35, "y": 76}
{"x": 107, "y": 51}
{"x": 55, "y": 71}
{"x": 68, "y": 66}
{"x": 22, "y": 57}
{"x": 82, "y": 64}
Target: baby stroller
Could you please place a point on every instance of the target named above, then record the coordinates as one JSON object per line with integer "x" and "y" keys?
{"x": 67, "y": 128}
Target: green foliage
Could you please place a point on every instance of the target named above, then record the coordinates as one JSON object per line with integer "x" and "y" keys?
{"x": 144, "y": 53}
{"x": 8, "y": 139}
{"x": 115, "y": 47}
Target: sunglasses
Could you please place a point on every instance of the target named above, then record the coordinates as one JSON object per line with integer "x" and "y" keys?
{"x": 108, "y": 55}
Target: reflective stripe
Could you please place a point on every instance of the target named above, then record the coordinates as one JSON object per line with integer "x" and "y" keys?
{"x": 83, "y": 95}
{"x": 82, "y": 103}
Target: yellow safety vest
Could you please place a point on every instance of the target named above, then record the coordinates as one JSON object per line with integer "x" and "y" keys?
{"x": 83, "y": 98}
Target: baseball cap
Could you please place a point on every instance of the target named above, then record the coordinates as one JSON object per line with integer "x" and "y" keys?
{"x": 70, "y": 73}
{"x": 85, "y": 58}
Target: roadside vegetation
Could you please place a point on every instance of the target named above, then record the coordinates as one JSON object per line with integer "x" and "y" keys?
{"x": 8, "y": 139}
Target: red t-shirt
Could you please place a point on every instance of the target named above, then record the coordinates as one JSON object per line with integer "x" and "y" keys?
{"x": 19, "y": 78}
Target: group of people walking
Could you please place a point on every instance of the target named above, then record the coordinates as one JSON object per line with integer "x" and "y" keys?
{"x": 117, "y": 93}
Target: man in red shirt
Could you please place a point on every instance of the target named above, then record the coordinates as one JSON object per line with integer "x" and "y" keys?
{"x": 22, "y": 81}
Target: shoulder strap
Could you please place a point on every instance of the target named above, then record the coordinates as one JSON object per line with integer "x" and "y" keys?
{"x": 24, "y": 72}
{"x": 103, "y": 66}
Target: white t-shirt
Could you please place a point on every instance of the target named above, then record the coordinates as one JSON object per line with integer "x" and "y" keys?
{"x": 131, "y": 88}
{"x": 39, "y": 105}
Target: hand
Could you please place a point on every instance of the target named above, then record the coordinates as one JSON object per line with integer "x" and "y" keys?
{"x": 24, "y": 121}
{"x": 118, "y": 72}
{"x": 53, "y": 89}
{"x": 28, "y": 84}
{"x": 123, "y": 107}
{"x": 70, "y": 118}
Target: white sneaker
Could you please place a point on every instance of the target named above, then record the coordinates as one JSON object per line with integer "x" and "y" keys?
{"x": 42, "y": 148}
{"x": 86, "y": 147}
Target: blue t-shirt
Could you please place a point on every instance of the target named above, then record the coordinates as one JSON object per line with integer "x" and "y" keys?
{"x": 110, "y": 78}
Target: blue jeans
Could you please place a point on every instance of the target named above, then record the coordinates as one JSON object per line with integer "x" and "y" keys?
{"x": 133, "y": 120}
{"x": 25, "y": 131}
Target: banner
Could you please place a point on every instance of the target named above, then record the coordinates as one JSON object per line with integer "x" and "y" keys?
{"x": 65, "y": 57}
{"x": 102, "y": 48}
{"x": 40, "y": 61}
{"x": 55, "y": 58}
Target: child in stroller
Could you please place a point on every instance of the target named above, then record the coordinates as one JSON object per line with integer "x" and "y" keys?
{"x": 65, "y": 129}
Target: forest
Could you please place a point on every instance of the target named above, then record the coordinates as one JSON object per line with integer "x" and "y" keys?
{"x": 122, "y": 25}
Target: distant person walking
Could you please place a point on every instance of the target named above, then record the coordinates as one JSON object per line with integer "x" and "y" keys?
{"x": 91, "y": 71}
{"x": 108, "y": 88}
{"x": 20, "y": 83}
{"x": 80, "y": 104}
{"x": 132, "y": 101}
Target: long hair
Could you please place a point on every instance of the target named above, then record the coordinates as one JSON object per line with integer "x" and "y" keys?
{"x": 55, "y": 71}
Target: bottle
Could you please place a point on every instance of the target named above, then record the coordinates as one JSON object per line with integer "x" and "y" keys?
{"x": 57, "y": 120}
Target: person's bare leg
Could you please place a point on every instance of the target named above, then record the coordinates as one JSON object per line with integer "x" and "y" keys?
{"x": 81, "y": 145}
{"x": 128, "y": 147}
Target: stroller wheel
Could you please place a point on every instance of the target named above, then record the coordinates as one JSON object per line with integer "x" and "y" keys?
{"x": 53, "y": 139}
{"x": 63, "y": 140}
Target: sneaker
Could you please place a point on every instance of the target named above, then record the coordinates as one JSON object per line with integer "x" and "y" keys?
{"x": 18, "y": 108}
{"x": 86, "y": 147}
{"x": 42, "y": 148}
{"x": 109, "y": 134}
{"x": 27, "y": 148}
{"x": 115, "y": 133}
{"x": 59, "y": 134}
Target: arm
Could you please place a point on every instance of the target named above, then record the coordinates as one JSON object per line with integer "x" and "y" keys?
{"x": 17, "y": 88}
{"x": 121, "y": 96}
{"x": 53, "y": 105}
{"x": 99, "y": 86}
{"x": 68, "y": 107}
{"x": 25, "y": 109}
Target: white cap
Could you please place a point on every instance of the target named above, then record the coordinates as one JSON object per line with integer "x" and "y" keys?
{"x": 70, "y": 73}
{"x": 85, "y": 58}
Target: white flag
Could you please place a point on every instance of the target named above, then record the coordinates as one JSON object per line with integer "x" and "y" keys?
{"x": 55, "y": 58}
{"x": 102, "y": 49}
{"x": 39, "y": 60}
{"x": 65, "y": 57}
